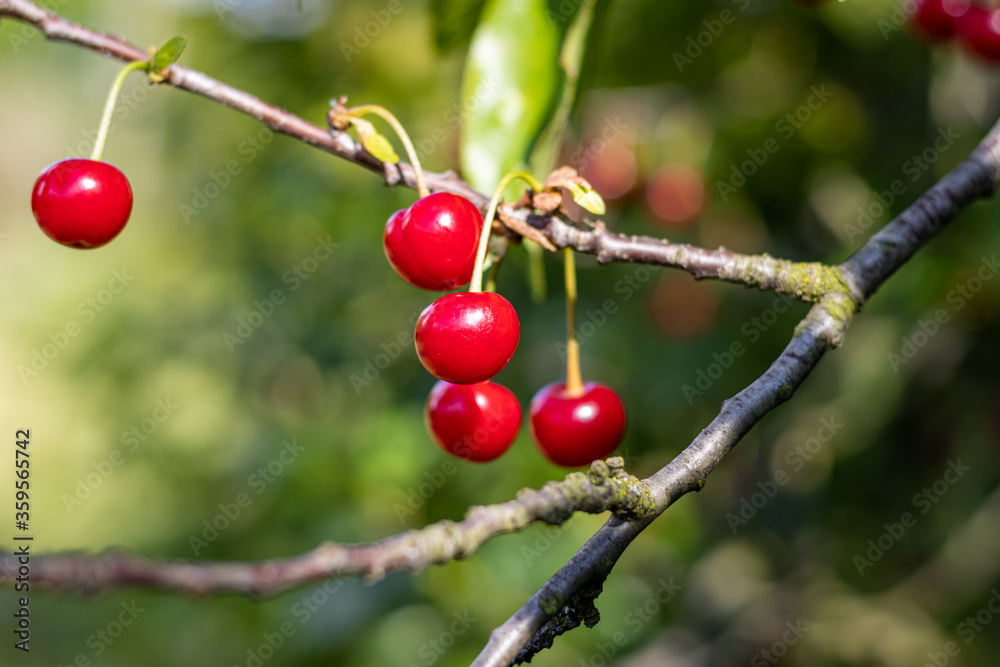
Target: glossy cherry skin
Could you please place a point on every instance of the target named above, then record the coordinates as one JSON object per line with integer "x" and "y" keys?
{"x": 81, "y": 203}
{"x": 936, "y": 18}
{"x": 979, "y": 29}
{"x": 475, "y": 422}
{"x": 433, "y": 243}
{"x": 467, "y": 337}
{"x": 573, "y": 431}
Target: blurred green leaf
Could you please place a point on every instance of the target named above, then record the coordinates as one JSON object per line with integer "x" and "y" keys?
{"x": 454, "y": 22}
{"x": 374, "y": 141}
{"x": 587, "y": 197}
{"x": 512, "y": 75}
{"x": 168, "y": 54}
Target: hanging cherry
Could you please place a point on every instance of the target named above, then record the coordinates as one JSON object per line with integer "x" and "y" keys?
{"x": 574, "y": 423}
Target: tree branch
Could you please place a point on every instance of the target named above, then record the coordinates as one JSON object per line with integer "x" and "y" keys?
{"x": 606, "y": 487}
{"x": 57, "y": 28}
{"x": 823, "y": 328}
{"x": 806, "y": 281}
{"x": 809, "y": 281}
{"x": 838, "y": 293}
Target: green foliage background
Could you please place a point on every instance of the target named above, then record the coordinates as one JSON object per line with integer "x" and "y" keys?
{"x": 366, "y": 452}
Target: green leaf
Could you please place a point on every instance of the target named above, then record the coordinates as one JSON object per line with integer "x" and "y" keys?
{"x": 374, "y": 141}
{"x": 509, "y": 88}
{"x": 379, "y": 146}
{"x": 587, "y": 197}
{"x": 168, "y": 54}
{"x": 454, "y": 22}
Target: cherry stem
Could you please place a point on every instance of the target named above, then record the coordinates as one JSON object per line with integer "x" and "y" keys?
{"x": 109, "y": 106}
{"x": 574, "y": 380}
{"x": 484, "y": 239}
{"x": 411, "y": 152}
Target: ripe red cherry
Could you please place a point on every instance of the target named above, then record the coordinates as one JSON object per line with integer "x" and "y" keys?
{"x": 81, "y": 203}
{"x": 979, "y": 29}
{"x": 573, "y": 431}
{"x": 467, "y": 337}
{"x": 476, "y": 422}
{"x": 433, "y": 243}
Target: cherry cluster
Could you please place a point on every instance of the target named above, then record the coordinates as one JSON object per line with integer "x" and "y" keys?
{"x": 977, "y": 25}
{"x": 439, "y": 243}
{"x": 465, "y": 338}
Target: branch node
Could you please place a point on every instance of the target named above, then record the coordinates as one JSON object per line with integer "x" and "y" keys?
{"x": 579, "y": 610}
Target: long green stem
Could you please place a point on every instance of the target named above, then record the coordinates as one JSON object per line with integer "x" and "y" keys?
{"x": 484, "y": 238}
{"x": 411, "y": 152}
{"x": 574, "y": 380}
{"x": 109, "y": 106}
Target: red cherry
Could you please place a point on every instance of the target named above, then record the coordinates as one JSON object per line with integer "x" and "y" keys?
{"x": 433, "y": 243}
{"x": 81, "y": 203}
{"x": 476, "y": 422}
{"x": 467, "y": 337}
{"x": 979, "y": 29}
{"x": 936, "y": 18}
{"x": 573, "y": 431}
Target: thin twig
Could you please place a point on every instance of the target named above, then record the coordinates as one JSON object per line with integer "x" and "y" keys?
{"x": 838, "y": 293}
{"x": 806, "y": 281}
{"x": 606, "y": 487}
{"x": 822, "y": 329}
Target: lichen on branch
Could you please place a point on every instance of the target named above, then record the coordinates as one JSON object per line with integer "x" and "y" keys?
{"x": 606, "y": 487}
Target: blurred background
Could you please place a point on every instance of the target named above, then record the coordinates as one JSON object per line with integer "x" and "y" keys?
{"x": 242, "y": 336}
